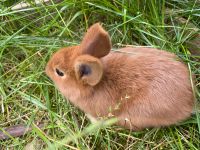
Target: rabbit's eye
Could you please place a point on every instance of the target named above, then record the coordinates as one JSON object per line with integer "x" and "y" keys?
{"x": 60, "y": 73}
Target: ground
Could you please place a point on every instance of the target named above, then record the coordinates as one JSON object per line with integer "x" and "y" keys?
{"x": 30, "y": 35}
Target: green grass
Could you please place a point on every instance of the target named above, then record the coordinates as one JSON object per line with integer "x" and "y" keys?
{"x": 29, "y": 36}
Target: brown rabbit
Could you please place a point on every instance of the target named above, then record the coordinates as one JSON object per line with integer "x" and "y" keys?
{"x": 142, "y": 87}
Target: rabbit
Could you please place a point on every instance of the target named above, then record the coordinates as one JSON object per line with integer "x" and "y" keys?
{"x": 141, "y": 87}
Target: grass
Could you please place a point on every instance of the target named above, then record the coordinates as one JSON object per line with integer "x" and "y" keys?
{"x": 29, "y": 36}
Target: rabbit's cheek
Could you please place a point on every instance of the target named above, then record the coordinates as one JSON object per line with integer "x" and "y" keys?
{"x": 68, "y": 89}
{"x": 71, "y": 93}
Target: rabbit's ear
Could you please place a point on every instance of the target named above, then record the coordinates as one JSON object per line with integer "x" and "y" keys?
{"x": 88, "y": 69}
{"x": 96, "y": 42}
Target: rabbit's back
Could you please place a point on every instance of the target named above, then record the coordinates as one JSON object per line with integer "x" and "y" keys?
{"x": 150, "y": 87}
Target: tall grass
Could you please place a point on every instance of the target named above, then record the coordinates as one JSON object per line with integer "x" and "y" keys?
{"x": 30, "y": 35}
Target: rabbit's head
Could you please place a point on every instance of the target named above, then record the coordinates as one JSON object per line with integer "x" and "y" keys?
{"x": 80, "y": 66}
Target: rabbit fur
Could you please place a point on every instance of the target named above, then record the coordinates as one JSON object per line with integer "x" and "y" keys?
{"x": 141, "y": 87}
